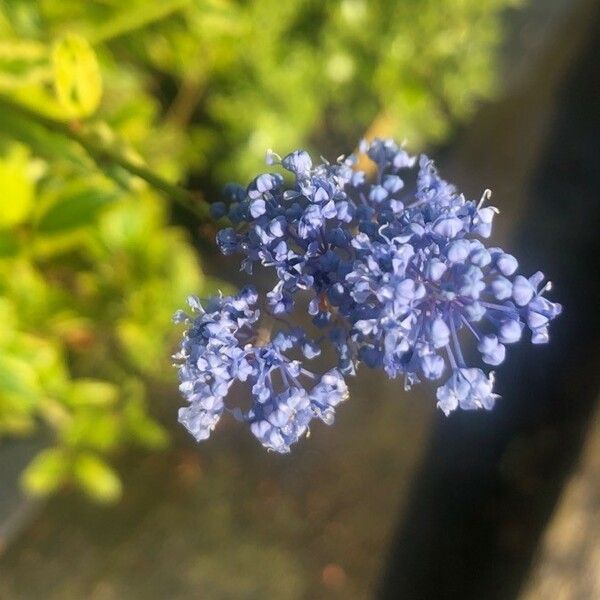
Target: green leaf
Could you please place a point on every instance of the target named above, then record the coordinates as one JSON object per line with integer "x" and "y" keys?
{"x": 92, "y": 392}
{"x": 139, "y": 423}
{"x": 134, "y": 17}
{"x": 17, "y": 186}
{"x": 18, "y": 377}
{"x": 148, "y": 432}
{"x": 9, "y": 245}
{"x": 22, "y": 50}
{"x": 96, "y": 478}
{"x": 46, "y": 473}
{"x": 75, "y": 206}
{"x": 93, "y": 429}
{"x": 77, "y": 79}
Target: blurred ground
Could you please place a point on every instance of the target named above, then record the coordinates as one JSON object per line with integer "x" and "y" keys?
{"x": 230, "y": 521}
{"x": 567, "y": 564}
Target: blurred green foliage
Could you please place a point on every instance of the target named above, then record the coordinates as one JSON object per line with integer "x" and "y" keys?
{"x": 178, "y": 90}
{"x": 86, "y": 297}
{"x": 90, "y": 273}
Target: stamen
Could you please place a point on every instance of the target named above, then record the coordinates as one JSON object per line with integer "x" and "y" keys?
{"x": 379, "y": 231}
{"x": 499, "y": 307}
{"x": 308, "y": 373}
{"x": 451, "y": 357}
{"x": 459, "y": 354}
{"x": 470, "y": 327}
{"x": 272, "y": 158}
{"x": 487, "y": 194}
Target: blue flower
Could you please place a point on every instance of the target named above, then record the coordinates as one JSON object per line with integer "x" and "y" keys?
{"x": 469, "y": 389}
{"x": 393, "y": 270}
{"x": 280, "y": 420}
{"x": 298, "y": 162}
{"x": 220, "y": 347}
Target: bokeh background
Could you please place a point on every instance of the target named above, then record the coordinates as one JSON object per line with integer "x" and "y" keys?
{"x": 104, "y": 107}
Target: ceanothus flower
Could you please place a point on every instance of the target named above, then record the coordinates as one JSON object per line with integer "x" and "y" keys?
{"x": 393, "y": 269}
{"x": 220, "y": 346}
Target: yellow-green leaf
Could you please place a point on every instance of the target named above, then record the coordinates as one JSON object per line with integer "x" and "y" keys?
{"x": 46, "y": 473}
{"x": 92, "y": 392}
{"x": 77, "y": 78}
{"x": 18, "y": 185}
{"x": 93, "y": 429}
{"x": 96, "y": 478}
{"x": 18, "y": 377}
{"x": 141, "y": 426}
{"x": 76, "y": 205}
{"x": 9, "y": 244}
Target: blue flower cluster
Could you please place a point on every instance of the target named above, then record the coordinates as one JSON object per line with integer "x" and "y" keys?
{"x": 394, "y": 271}
{"x": 221, "y": 346}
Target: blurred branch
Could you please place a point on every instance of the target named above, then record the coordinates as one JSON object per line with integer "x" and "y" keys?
{"x": 182, "y": 109}
{"x": 103, "y": 156}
